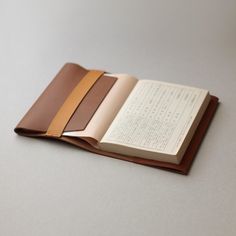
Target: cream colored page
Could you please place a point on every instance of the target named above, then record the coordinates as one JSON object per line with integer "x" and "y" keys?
{"x": 108, "y": 108}
{"x": 156, "y": 116}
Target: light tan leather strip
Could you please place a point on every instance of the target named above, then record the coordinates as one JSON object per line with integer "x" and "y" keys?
{"x": 64, "y": 114}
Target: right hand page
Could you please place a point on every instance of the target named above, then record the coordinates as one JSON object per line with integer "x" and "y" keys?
{"x": 157, "y": 117}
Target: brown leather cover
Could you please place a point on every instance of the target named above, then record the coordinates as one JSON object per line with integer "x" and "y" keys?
{"x": 43, "y": 111}
{"x": 37, "y": 120}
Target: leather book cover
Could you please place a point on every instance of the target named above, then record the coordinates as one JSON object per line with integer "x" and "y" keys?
{"x": 39, "y": 117}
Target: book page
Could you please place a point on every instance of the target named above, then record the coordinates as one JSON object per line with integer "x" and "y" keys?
{"x": 156, "y": 116}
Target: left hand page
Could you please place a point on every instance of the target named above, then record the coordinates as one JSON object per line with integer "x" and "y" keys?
{"x": 107, "y": 110}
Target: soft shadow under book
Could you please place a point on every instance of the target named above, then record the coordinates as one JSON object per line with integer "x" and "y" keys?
{"x": 148, "y": 122}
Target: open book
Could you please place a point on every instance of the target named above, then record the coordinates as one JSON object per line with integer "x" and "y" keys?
{"x": 144, "y": 121}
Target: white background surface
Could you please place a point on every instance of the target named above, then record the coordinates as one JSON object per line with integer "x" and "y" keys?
{"x": 51, "y": 189}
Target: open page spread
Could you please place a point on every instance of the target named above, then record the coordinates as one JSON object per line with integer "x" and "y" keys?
{"x": 156, "y": 117}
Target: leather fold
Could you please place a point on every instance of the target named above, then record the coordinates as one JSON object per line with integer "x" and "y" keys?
{"x": 40, "y": 116}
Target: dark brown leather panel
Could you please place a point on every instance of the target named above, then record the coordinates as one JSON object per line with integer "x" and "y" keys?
{"x": 90, "y": 104}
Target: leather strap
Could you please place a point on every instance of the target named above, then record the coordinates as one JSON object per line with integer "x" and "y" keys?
{"x": 64, "y": 114}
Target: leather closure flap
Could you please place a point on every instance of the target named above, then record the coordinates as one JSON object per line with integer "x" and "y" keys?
{"x": 68, "y": 103}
